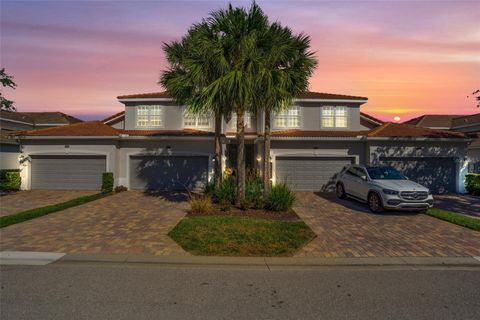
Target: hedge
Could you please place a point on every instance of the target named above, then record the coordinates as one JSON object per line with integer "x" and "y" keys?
{"x": 107, "y": 182}
{"x": 472, "y": 183}
{"x": 10, "y": 179}
{"x": 38, "y": 212}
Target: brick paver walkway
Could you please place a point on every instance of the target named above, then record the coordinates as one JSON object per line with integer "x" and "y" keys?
{"x": 125, "y": 223}
{"x": 347, "y": 229}
{"x": 25, "y": 200}
{"x": 461, "y": 203}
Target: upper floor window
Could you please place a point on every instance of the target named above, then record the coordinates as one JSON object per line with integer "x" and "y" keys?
{"x": 191, "y": 120}
{"x": 149, "y": 116}
{"x": 247, "y": 118}
{"x": 334, "y": 117}
{"x": 288, "y": 118}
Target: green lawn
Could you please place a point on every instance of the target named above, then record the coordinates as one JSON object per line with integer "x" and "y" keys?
{"x": 456, "y": 218}
{"x": 38, "y": 212}
{"x": 240, "y": 236}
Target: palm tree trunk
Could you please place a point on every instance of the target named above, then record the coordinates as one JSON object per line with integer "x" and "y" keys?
{"x": 266, "y": 155}
{"x": 240, "y": 158}
{"x": 218, "y": 150}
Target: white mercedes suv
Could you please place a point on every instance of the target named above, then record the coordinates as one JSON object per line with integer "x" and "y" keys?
{"x": 382, "y": 188}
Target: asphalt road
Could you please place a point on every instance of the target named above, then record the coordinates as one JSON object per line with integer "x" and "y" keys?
{"x": 147, "y": 291}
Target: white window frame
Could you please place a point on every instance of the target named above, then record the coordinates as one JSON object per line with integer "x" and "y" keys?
{"x": 247, "y": 118}
{"x": 288, "y": 116}
{"x": 147, "y": 115}
{"x": 196, "y": 119}
{"x": 334, "y": 117}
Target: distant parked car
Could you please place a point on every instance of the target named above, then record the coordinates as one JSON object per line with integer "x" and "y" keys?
{"x": 382, "y": 188}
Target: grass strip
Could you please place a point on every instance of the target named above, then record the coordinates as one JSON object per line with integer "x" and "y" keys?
{"x": 38, "y": 212}
{"x": 456, "y": 218}
{"x": 240, "y": 236}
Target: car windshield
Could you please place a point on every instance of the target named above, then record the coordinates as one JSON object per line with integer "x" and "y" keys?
{"x": 384, "y": 173}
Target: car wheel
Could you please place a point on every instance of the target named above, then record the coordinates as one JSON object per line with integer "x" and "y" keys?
{"x": 340, "y": 191}
{"x": 374, "y": 203}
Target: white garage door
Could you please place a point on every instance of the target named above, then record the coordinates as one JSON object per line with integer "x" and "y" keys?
{"x": 310, "y": 173}
{"x": 67, "y": 172}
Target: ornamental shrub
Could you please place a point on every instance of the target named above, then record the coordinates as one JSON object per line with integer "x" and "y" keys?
{"x": 472, "y": 183}
{"x": 200, "y": 204}
{"x": 107, "y": 182}
{"x": 209, "y": 188}
{"x": 10, "y": 179}
{"x": 254, "y": 192}
{"x": 226, "y": 192}
{"x": 120, "y": 189}
{"x": 281, "y": 198}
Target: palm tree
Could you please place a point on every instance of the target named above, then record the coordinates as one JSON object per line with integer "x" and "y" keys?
{"x": 286, "y": 66}
{"x": 240, "y": 33}
{"x": 192, "y": 68}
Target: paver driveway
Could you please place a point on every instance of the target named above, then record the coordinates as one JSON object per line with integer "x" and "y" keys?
{"x": 346, "y": 228}
{"x": 125, "y": 223}
{"x": 25, "y": 200}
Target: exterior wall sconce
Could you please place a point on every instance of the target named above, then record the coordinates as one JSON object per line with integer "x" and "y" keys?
{"x": 259, "y": 158}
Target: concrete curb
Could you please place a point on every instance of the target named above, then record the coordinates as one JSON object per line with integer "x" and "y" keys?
{"x": 28, "y": 258}
{"x": 273, "y": 261}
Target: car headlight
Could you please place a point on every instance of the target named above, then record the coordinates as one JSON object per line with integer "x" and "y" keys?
{"x": 390, "y": 192}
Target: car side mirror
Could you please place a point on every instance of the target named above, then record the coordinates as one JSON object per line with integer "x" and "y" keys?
{"x": 364, "y": 178}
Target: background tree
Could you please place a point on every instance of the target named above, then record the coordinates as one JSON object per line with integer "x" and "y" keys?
{"x": 7, "y": 81}
{"x": 476, "y": 95}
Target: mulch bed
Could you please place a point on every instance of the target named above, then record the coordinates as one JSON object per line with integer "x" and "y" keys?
{"x": 289, "y": 215}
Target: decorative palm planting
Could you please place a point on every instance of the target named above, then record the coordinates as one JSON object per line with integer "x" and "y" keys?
{"x": 260, "y": 226}
{"x": 233, "y": 62}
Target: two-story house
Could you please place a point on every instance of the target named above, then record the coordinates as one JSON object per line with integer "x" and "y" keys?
{"x": 156, "y": 144}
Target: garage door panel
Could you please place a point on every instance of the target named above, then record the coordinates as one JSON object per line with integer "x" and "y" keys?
{"x": 310, "y": 173}
{"x": 67, "y": 172}
{"x": 437, "y": 174}
{"x": 168, "y": 172}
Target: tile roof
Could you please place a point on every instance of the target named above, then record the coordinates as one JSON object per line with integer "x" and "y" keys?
{"x": 98, "y": 128}
{"x": 162, "y": 94}
{"x": 113, "y": 118}
{"x": 39, "y": 118}
{"x": 433, "y": 120}
{"x": 390, "y": 129}
{"x": 87, "y": 128}
{"x": 170, "y": 133}
{"x": 317, "y": 133}
{"x": 372, "y": 118}
{"x": 305, "y": 95}
{"x": 327, "y": 96}
{"x": 387, "y": 130}
{"x": 466, "y": 120}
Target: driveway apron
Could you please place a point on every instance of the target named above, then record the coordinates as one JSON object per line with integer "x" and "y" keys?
{"x": 130, "y": 222}
{"x": 346, "y": 228}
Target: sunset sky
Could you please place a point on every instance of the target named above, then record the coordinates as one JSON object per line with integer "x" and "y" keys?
{"x": 408, "y": 57}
